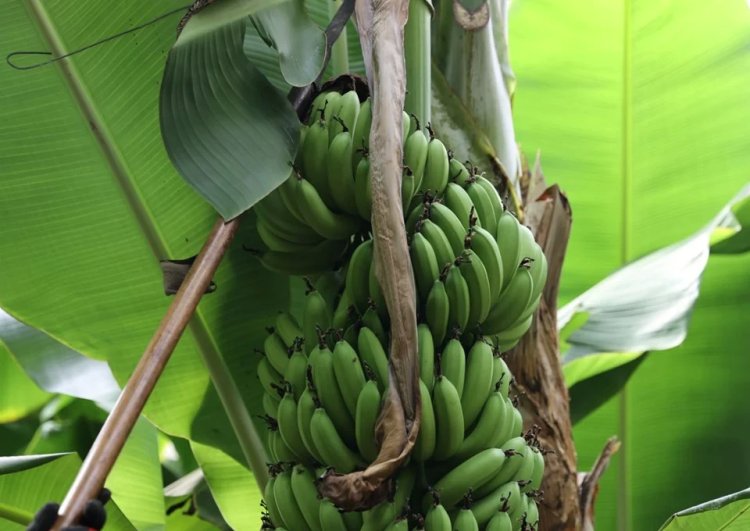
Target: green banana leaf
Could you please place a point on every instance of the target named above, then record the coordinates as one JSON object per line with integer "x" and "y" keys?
{"x": 229, "y": 132}
{"x": 641, "y": 114}
{"x": 28, "y": 482}
{"x": 19, "y": 395}
{"x": 731, "y": 512}
{"x": 91, "y": 203}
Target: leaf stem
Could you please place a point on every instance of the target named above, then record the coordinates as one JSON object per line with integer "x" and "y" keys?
{"x": 340, "y": 48}
{"x": 417, "y": 51}
{"x": 16, "y": 515}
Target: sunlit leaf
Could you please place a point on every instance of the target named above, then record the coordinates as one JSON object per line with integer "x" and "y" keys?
{"x": 728, "y": 513}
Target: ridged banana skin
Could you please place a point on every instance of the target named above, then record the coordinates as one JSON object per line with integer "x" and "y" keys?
{"x": 363, "y": 190}
{"x": 449, "y": 419}
{"x": 458, "y": 200}
{"x": 485, "y": 246}
{"x": 305, "y": 409}
{"x": 346, "y": 110}
{"x": 453, "y": 228}
{"x": 357, "y": 275}
{"x": 458, "y": 173}
{"x": 361, "y": 132}
{"x": 330, "y": 445}
{"x": 453, "y": 364}
{"x": 478, "y": 283}
{"x": 424, "y": 447}
{"x": 330, "y": 517}
{"x": 316, "y": 315}
{"x": 488, "y": 430}
{"x": 465, "y": 521}
{"x": 315, "y": 164}
{"x": 285, "y": 501}
{"x": 436, "y": 168}
{"x": 438, "y": 241}
{"x": 426, "y": 351}
{"x": 507, "y": 236}
{"x": 494, "y": 196}
{"x": 424, "y": 264}
{"x": 365, "y": 419}
{"x": 485, "y": 508}
{"x": 415, "y": 156}
{"x": 320, "y": 216}
{"x": 458, "y": 297}
{"x": 437, "y": 519}
{"x": 330, "y": 396}
{"x": 341, "y": 174}
{"x": 268, "y": 376}
{"x": 437, "y": 311}
{"x": 319, "y": 259}
{"x": 290, "y": 434}
{"x": 537, "y": 473}
{"x": 470, "y": 474}
{"x": 511, "y": 304}
{"x": 269, "y": 498}
{"x": 349, "y": 374}
{"x": 478, "y": 381}
{"x": 296, "y": 372}
{"x": 500, "y": 521}
{"x": 277, "y": 352}
{"x": 371, "y": 351}
{"x": 306, "y": 496}
{"x": 483, "y": 205}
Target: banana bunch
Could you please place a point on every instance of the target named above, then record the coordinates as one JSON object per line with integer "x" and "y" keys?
{"x": 479, "y": 276}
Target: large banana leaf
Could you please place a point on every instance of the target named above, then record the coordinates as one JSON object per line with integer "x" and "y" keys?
{"x": 91, "y": 203}
{"x": 728, "y": 513}
{"x": 640, "y": 111}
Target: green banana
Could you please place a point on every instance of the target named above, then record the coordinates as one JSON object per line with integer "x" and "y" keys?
{"x": 344, "y": 114}
{"x": 362, "y": 189}
{"x": 507, "y": 339}
{"x": 269, "y": 378}
{"x": 372, "y": 353}
{"x": 330, "y": 517}
{"x": 358, "y": 274}
{"x": 437, "y": 519}
{"x": 495, "y": 200}
{"x": 501, "y": 375}
{"x": 353, "y": 520}
{"x": 460, "y": 203}
{"x": 268, "y": 497}
{"x": 465, "y": 521}
{"x": 425, "y": 444}
{"x": 277, "y": 241}
{"x": 526, "y": 470}
{"x": 306, "y": 496}
{"x": 319, "y": 215}
{"x": 517, "y": 422}
{"x": 305, "y": 409}
{"x": 415, "y": 156}
{"x": 508, "y": 236}
{"x": 282, "y": 219}
{"x": 437, "y": 311}
{"x": 478, "y": 381}
{"x": 518, "y": 511}
{"x": 341, "y": 174}
{"x": 323, "y": 105}
{"x": 290, "y": 434}
{"x": 458, "y": 297}
{"x": 283, "y": 453}
{"x": 286, "y": 191}
{"x": 371, "y": 320}
{"x": 319, "y": 259}
{"x": 288, "y": 508}
{"x": 399, "y": 524}
{"x": 436, "y": 168}
{"x": 478, "y": 284}
{"x": 449, "y": 419}
{"x": 453, "y": 228}
{"x": 499, "y": 522}
{"x": 349, "y": 374}
{"x": 485, "y": 246}
{"x": 376, "y": 294}
{"x": 316, "y": 318}
{"x": 295, "y": 373}
{"x": 380, "y": 516}
{"x": 490, "y": 426}
{"x": 315, "y": 164}
{"x": 330, "y": 395}
{"x": 287, "y": 328}
{"x": 486, "y": 509}
{"x": 270, "y": 403}
{"x": 535, "y": 478}
{"x": 426, "y": 351}
{"x": 330, "y": 445}
{"x": 365, "y": 419}
{"x": 361, "y": 132}
{"x": 483, "y": 205}
{"x": 438, "y": 241}
{"x": 471, "y": 474}
{"x": 453, "y": 364}
{"x": 424, "y": 265}
{"x": 508, "y": 422}
{"x": 408, "y": 184}
{"x": 532, "y": 514}
{"x": 458, "y": 173}
{"x": 277, "y": 352}
{"x": 511, "y": 304}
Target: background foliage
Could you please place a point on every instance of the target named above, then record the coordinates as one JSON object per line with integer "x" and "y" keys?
{"x": 641, "y": 114}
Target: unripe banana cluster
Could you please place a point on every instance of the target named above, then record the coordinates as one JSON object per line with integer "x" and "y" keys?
{"x": 479, "y": 276}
